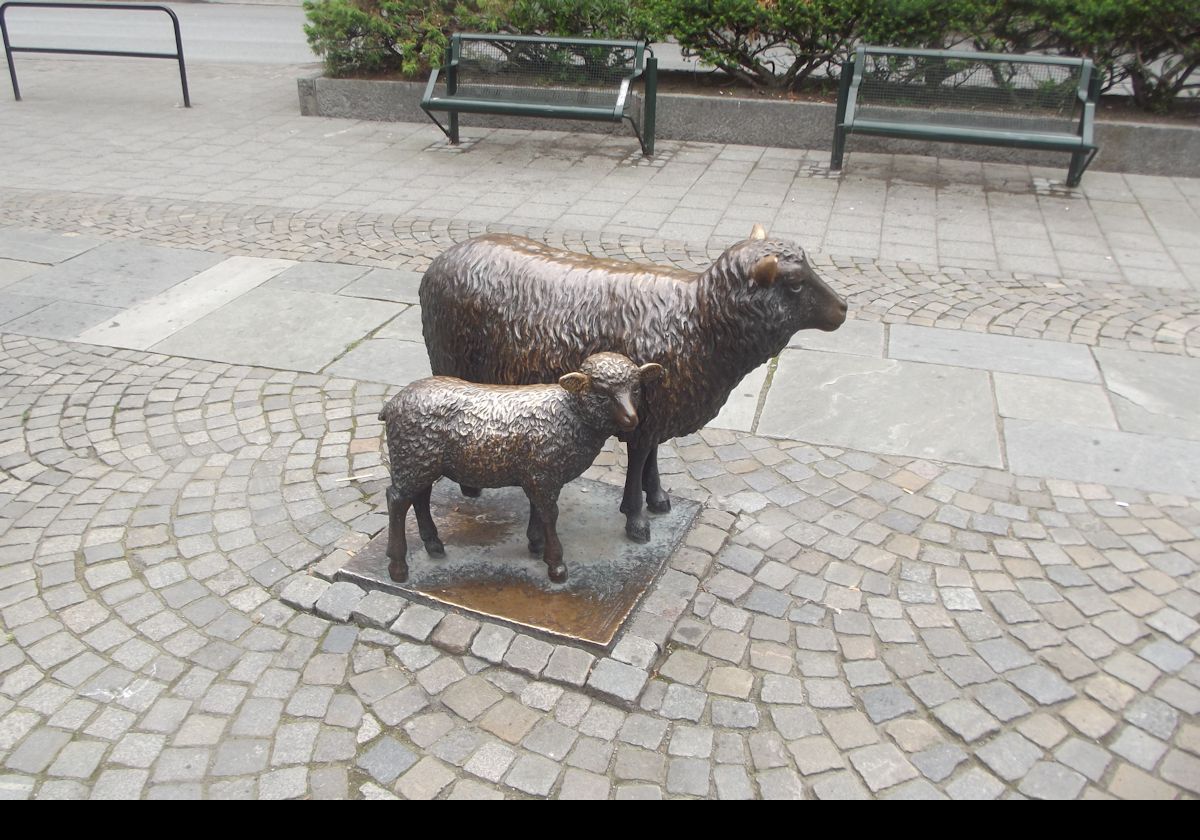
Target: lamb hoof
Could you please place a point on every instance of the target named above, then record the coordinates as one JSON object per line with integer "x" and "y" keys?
{"x": 536, "y": 549}
{"x": 662, "y": 505}
{"x": 435, "y": 548}
{"x": 471, "y": 492}
{"x": 398, "y": 572}
{"x": 558, "y": 574}
{"x": 638, "y": 530}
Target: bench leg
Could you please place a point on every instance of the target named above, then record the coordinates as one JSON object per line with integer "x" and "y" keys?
{"x": 1074, "y": 171}
{"x": 839, "y": 148}
{"x": 650, "y": 106}
{"x": 453, "y": 132}
{"x": 1079, "y": 164}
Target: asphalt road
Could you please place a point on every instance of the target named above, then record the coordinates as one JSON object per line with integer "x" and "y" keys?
{"x": 211, "y": 33}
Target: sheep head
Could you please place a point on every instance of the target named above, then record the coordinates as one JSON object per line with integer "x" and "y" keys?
{"x": 777, "y": 280}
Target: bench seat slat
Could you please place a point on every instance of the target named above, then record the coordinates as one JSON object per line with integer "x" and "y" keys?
{"x": 959, "y": 134}
{"x": 534, "y": 109}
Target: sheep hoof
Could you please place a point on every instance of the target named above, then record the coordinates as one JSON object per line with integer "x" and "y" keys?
{"x": 638, "y": 530}
{"x": 558, "y": 574}
{"x": 398, "y": 572}
{"x": 471, "y": 492}
{"x": 435, "y": 548}
{"x": 659, "y": 505}
{"x": 536, "y": 549}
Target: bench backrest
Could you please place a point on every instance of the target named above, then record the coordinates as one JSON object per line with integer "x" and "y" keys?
{"x": 986, "y": 90}
{"x": 556, "y": 67}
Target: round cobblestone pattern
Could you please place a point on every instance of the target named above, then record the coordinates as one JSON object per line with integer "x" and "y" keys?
{"x": 851, "y": 625}
{"x": 1094, "y": 312}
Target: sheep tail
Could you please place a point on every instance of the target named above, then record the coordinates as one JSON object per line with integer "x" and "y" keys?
{"x": 389, "y": 410}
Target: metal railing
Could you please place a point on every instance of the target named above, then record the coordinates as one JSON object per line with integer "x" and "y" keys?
{"x": 9, "y": 49}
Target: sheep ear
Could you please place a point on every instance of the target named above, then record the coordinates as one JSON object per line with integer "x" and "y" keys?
{"x": 651, "y": 372}
{"x": 758, "y": 232}
{"x": 766, "y": 270}
{"x": 576, "y": 383}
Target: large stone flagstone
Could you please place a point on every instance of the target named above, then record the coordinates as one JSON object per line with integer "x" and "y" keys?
{"x": 280, "y": 328}
{"x": 117, "y": 274}
{"x": 883, "y": 405}
{"x": 1153, "y": 393}
{"x": 992, "y": 352}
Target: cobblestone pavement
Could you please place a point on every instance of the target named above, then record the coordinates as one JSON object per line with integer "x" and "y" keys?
{"x": 841, "y": 623}
{"x": 1112, "y": 314}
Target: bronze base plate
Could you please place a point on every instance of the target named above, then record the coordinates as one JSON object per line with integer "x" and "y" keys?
{"x": 488, "y": 571}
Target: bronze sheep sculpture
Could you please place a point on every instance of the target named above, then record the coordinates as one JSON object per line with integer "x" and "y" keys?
{"x": 507, "y": 310}
{"x": 536, "y": 437}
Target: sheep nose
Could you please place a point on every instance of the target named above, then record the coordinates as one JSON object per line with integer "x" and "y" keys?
{"x": 625, "y": 415}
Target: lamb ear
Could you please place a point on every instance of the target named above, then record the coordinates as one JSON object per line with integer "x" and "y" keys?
{"x": 651, "y": 371}
{"x": 576, "y": 383}
{"x": 758, "y": 232}
{"x": 766, "y": 270}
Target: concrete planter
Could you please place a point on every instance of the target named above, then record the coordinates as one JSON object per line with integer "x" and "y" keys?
{"x": 1142, "y": 148}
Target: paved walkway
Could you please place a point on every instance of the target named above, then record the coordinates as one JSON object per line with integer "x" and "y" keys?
{"x": 948, "y": 550}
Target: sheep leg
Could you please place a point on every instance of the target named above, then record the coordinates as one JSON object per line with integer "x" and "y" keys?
{"x": 545, "y": 503}
{"x": 637, "y": 524}
{"x": 657, "y": 501}
{"x": 397, "y": 550}
{"x": 535, "y": 533}
{"x": 429, "y": 532}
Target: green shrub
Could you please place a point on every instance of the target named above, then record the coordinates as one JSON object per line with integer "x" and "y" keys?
{"x": 1151, "y": 45}
{"x": 768, "y": 43}
{"x": 363, "y": 37}
{"x": 581, "y": 18}
{"x": 381, "y": 36}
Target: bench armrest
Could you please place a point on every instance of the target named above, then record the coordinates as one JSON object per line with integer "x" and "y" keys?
{"x": 860, "y": 66}
{"x": 433, "y": 77}
{"x": 622, "y": 96}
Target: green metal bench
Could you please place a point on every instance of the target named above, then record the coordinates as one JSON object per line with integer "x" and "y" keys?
{"x": 533, "y": 76}
{"x": 1029, "y": 102}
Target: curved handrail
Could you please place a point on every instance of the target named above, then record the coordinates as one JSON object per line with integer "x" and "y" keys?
{"x": 9, "y": 49}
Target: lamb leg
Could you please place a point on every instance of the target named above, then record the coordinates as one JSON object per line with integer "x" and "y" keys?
{"x": 535, "y": 533}
{"x": 397, "y": 550}
{"x": 546, "y": 503}
{"x": 429, "y": 532}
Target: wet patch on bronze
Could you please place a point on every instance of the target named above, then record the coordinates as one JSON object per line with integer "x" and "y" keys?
{"x": 489, "y": 572}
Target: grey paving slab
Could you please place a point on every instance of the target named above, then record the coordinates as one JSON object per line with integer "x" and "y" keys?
{"x": 1157, "y": 464}
{"x": 992, "y": 352}
{"x": 741, "y": 408}
{"x": 13, "y": 307}
{"x": 117, "y": 274}
{"x": 1153, "y": 393}
{"x": 280, "y": 328}
{"x": 384, "y": 360}
{"x": 42, "y": 246}
{"x": 386, "y": 284}
{"x": 1024, "y": 397}
{"x": 858, "y": 338}
{"x": 13, "y": 270}
{"x": 318, "y": 277}
{"x": 883, "y": 405}
{"x": 406, "y": 326}
{"x": 155, "y": 319}
{"x": 61, "y": 319}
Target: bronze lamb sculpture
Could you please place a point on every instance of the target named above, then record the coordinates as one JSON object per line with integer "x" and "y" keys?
{"x": 504, "y": 309}
{"x": 536, "y": 437}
